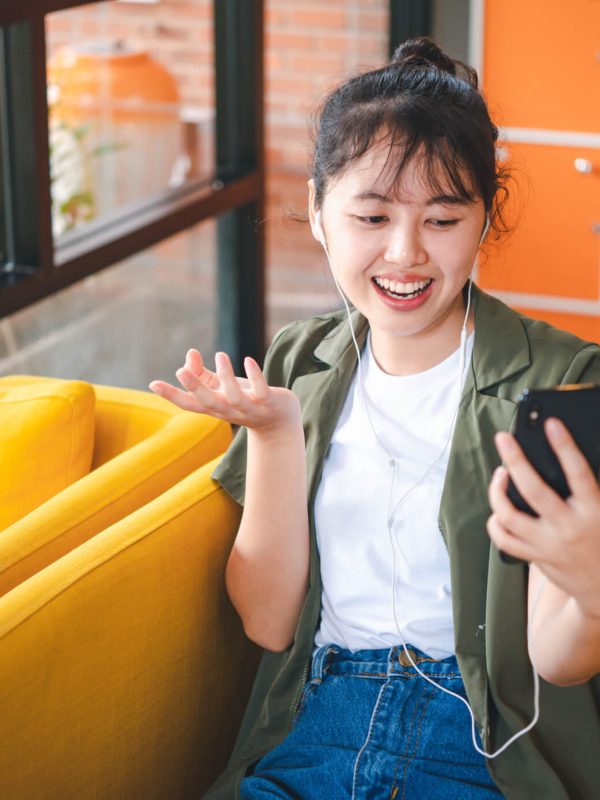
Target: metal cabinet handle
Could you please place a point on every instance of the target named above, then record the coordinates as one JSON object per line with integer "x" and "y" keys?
{"x": 583, "y": 165}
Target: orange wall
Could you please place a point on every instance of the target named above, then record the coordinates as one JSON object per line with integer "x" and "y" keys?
{"x": 542, "y": 73}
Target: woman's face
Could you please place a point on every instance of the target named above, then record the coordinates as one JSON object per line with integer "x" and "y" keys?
{"x": 401, "y": 254}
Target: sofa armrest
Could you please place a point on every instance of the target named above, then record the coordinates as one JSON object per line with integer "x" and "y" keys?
{"x": 124, "y": 669}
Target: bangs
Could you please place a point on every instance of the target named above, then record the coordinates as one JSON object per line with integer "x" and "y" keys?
{"x": 412, "y": 131}
{"x": 440, "y": 170}
{"x": 427, "y": 109}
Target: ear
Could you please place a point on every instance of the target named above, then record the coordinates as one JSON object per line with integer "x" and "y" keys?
{"x": 312, "y": 212}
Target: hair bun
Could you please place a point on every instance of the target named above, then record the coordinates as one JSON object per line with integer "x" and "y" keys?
{"x": 422, "y": 52}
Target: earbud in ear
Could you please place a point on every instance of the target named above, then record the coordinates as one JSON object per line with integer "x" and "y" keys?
{"x": 319, "y": 227}
{"x": 485, "y": 228}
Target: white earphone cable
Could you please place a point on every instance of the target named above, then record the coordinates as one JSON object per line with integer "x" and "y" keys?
{"x": 392, "y": 510}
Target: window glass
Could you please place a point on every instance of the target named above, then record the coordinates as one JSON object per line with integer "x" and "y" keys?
{"x": 126, "y": 325}
{"x": 131, "y": 105}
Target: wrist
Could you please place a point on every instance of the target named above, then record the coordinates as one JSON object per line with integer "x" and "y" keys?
{"x": 284, "y": 423}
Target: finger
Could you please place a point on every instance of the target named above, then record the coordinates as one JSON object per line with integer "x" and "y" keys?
{"x": 508, "y": 542}
{"x": 532, "y": 488}
{"x": 510, "y": 517}
{"x": 195, "y": 363}
{"x": 579, "y": 474}
{"x": 229, "y": 383}
{"x": 204, "y": 397}
{"x": 177, "y": 396}
{"x": 160, "y": 387}
{"x": 187, "y": 379}
{"x": 256, "y": 379}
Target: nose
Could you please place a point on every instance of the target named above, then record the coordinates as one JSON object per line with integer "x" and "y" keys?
{"x": 404, "y": 246}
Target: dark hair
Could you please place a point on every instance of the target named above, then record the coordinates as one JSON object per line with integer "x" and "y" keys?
{"x": 422, "y": 102}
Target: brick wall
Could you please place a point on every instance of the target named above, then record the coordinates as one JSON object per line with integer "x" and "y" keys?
{"x": 309, "y": 47}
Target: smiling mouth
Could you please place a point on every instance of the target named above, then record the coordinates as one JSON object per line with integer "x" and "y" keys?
{"x": 403, "y": 291}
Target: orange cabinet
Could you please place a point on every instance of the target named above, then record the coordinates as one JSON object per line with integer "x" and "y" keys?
{"x": 554, "y": 248}
{"x": 541, "y": 77}
{"x": 542, "y": 63}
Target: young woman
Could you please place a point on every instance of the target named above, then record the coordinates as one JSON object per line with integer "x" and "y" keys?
{"x": 362, "y": 564}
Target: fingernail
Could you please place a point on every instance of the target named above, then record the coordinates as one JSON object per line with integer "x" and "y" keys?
{"x": 505, "y": 443}
{"x": 555, "y": 429}
{"x": 499, "y": 473}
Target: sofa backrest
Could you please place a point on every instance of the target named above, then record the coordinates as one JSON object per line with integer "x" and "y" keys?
{"x": 125, "y": 417}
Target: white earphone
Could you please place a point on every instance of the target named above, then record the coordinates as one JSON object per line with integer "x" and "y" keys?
{"x": 319, "y": 227}
{"x": 486, "y": 227}
{"x": 393, "y": 507}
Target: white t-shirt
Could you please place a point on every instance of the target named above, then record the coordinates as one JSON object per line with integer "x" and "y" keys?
{"x": 414, "y": 417}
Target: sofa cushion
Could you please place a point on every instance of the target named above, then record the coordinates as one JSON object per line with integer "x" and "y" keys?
{"x": 46, "y": 441}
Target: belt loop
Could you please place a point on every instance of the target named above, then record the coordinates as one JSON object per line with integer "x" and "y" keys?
{"x": 319, "y": 662}
{"x": 392, "y": 661}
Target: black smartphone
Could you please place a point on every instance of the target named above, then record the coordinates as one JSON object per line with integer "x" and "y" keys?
{"x": 578, "y": 407}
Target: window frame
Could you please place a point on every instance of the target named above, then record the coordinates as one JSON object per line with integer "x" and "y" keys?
{"x": 35, "y": 268}
{"x": 409, "y": 18}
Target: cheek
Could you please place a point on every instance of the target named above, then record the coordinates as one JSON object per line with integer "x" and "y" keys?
{"x": 455, "y": 259}
{"x": 343, "y": 260}
{"x": 355, "y": 248}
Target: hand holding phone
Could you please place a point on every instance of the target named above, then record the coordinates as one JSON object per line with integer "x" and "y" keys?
{"x": 578, "y": 407}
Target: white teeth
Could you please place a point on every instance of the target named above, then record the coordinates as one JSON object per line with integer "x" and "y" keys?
{"x": 401, "y": 288}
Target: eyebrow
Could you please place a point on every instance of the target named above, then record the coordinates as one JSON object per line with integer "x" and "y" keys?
{"x": 440, "y": 199}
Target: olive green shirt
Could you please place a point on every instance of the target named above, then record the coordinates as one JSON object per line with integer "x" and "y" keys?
{"x": 560, "y": 758}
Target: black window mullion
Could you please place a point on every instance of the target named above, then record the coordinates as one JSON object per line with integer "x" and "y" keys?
{"x": 409, "y": 18}
{"x": 7, "y": 260}
{"x": 42, "y": 145}
{"x": 25, "y": 148}
{"x": 238, "y": 26}
{"x": 4, "y": 256}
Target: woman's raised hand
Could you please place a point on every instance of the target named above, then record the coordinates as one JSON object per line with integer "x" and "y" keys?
{"x": 564, "y": 539}
{"x": 246, "y": 401}
{"x": 562, "y": 545}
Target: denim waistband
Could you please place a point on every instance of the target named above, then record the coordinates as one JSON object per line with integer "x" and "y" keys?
{"x": 334, "y": 660}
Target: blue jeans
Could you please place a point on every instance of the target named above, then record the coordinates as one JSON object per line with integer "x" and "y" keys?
{"x": 370, "y": 727}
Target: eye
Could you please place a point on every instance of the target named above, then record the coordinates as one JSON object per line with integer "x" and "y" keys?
{"x": 373, "y": 219}
{"x": 443, "y": 223}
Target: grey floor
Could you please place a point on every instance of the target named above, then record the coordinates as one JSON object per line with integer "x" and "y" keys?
{"x": 133, "y": 322}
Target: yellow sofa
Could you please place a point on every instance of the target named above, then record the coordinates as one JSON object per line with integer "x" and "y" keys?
{"x": 142, "y": 445}
{"x": 123, "y": 667}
